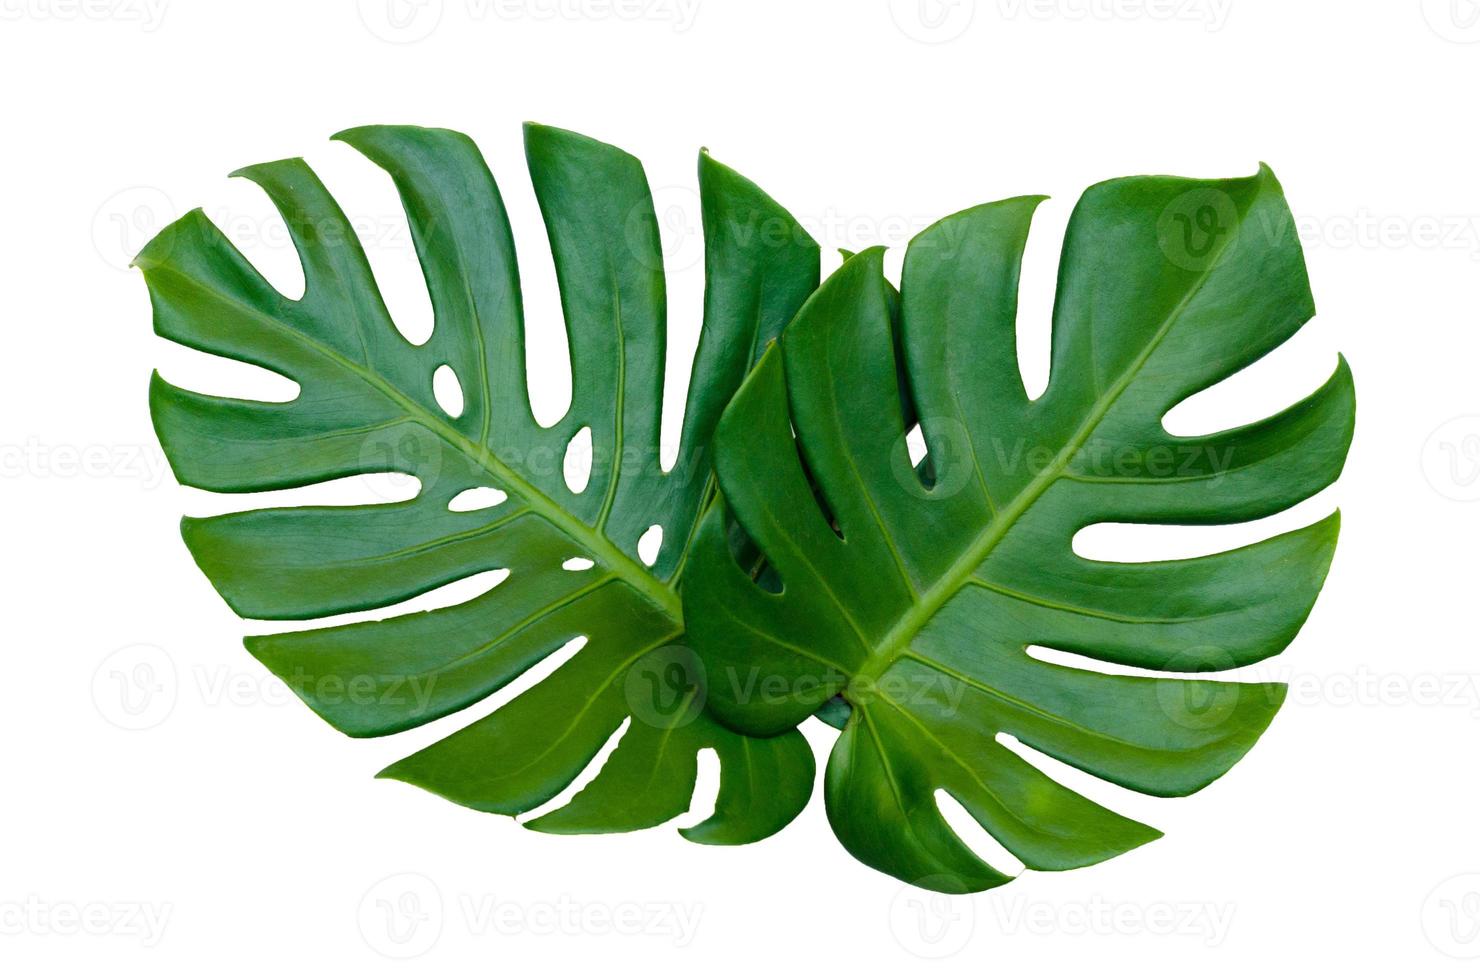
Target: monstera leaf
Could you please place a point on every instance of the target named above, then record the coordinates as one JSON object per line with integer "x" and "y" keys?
{"x": 914, "y": 592}
{"x": 366, "y": 405}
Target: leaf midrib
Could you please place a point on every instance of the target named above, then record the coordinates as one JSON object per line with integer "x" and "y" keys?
{"x": 598, "y": 545}
{"x": 895, "y": 643}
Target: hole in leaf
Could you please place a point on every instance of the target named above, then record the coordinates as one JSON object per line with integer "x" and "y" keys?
{"x": 441, "y": 597}
{"x": 1271, "y": 384}
{"x": 578, "y": 460}
{"x": 583, "y": 778}
{"x": 512, "y": 691}
{"x": 577, "y": 564}
{"x": 448, "y": 390}
{"x": 253, "y": 224}
{"x": 1038, "y": 284}
{"x": 1118, "y": 542}
{"x": 817, "y": 494}
{"x": 210, "y": 374}
{"x": 541, "y": 671}
{"x": 1126, "y": 802}
{"x": 1263, "y": 672}
{"x": 914, "y": 441}
{"x": 477, "y": 498}
{"x": 681, "y": 234}
{"x": 975, "y": 836}
{"x": 706, "y": 788}
{"x": 363, "y": 490}
{"x": 749, "y": 557}
{"x": 649, "y": 544}
{"x": 370, "y": 200}
{"x": 546, "y": 350}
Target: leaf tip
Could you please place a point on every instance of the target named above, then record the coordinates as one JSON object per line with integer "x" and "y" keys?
{"x": 539, "y": 131}
{"x": 396, "y": 772}
{"x": 708, "y": 832}
{"x": 1343, "y": 369}
{"x": 256, "y": 171}
{"x": 1335, "y": 518}
{"x": 157, "y": 250}
{"x": 349, "y": 135}
{"x": 1265, "y": 179}
{"x": 552, "y": 823}
{"x": 1325, "y": 531}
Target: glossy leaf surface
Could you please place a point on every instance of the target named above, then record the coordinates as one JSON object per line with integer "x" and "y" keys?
{"x": 367, "y": 405}
{"x": 915, "y": 592}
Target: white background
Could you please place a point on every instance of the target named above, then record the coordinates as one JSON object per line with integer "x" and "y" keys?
{"x": 169, "y": 811}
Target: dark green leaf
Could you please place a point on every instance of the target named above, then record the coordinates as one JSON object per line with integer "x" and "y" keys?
{"x": 366, "y": 405}
{"x": 916, "y": 599}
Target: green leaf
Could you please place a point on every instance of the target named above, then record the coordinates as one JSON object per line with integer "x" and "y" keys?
{"x": 366, "y": 405}
{"x": 916, "y": 599}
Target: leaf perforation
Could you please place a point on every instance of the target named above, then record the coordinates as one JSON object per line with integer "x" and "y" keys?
{"x": 357, "y": 375}
{"x": 1137, "y": 326}
{"x": 909, "y": 625}
{"x": 647, "y": 584}
{"x": 614, "y": 473}
{"x": 534, "y": 618}
{"x": 1005, "y": 698}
